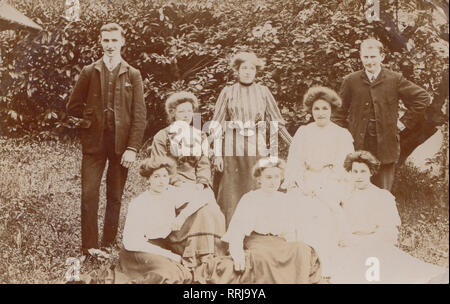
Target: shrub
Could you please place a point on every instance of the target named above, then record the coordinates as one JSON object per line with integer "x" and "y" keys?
{"x": 185, "y": 45}
{"x": 416, "y": 187}
{"x": 422, "y": 202}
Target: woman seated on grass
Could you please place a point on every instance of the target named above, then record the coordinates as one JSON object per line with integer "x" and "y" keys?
{"x": 315, "y": 175}
{"x": 261, "y": 238}
{"x": 371, "y": 229}
{"x": 188, "y": 147}
{"x": 157, "y": 238}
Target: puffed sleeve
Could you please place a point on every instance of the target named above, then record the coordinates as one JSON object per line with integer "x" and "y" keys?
{"x": 203, "y": 167}
{"x": 272, "y": 110}
{"x": 159, "y": 149}
{"x": 291, "y": 216}
{"x": 387, "y": 217}
{"x": 138, "y": 227}
{"x": 134, "y": 230}
{"x": 273, "y": 114}
{"x": 296, "y": 158}
{"x": 243, "y": 221}
{"x": 220, "y": 112}
{"x": 390, "y": 214}
{"x": 345, "y": 147}
{"x": 159, "y": 144}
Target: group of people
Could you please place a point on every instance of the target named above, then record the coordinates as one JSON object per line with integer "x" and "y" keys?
{"x": 320, "y": 216}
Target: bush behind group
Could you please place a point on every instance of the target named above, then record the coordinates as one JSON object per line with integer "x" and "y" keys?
{"x": 186, "y": 45}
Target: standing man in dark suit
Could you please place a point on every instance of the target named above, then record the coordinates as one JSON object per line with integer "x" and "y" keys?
{"x": 109, "y": 98}
{"x": 370, "y": 106}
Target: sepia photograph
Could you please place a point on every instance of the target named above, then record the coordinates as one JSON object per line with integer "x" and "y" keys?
{"x": 204, "y": 142}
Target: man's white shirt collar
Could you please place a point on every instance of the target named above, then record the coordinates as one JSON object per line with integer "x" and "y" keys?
{"x": 111, "y": 65}
{"x": 369, "y": 75}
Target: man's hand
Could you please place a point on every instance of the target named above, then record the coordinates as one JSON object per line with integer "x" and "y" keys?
{"x": 218, "y": 163}
{"x": 128, "y": 158}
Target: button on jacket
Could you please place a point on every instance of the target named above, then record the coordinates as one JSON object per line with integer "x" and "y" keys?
{"x": 358, "y": 94}
{"x": 86, "y": 102}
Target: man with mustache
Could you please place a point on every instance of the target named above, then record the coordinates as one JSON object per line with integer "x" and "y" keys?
{"x": 370, "y": 104}
{"x": 109, "y": 99}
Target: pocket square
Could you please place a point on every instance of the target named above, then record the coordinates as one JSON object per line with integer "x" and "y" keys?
{"x": 127, "y": 84}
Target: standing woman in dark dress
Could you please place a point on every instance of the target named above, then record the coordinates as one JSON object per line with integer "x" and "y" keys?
{"x": 239, "y": 109}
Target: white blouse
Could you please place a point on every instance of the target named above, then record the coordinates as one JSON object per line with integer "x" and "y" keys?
{"x": 150, "y": 216}
{"x": 315, "y": 150}
{"x": 262, "y": 213}
{"x": 372, "y": 211}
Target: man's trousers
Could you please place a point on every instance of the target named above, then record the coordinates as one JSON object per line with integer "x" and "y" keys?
{"x": 92, "y": 169}
{"x": 384, "y": 178}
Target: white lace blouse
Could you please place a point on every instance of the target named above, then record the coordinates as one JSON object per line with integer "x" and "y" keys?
{"x": 262, "y": 213}
{"x": 317, "y": 150}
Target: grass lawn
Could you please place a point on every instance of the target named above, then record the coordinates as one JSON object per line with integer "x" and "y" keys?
{"x": 40, "y": 189}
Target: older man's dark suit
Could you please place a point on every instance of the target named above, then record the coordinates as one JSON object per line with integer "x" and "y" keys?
{"x": 359, "y": 94}
{"x": 100, "y": 144}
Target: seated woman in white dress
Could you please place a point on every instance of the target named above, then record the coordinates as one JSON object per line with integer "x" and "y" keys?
{"x": 367, "y": 252}
{"x": 157, "y": 234}
{"x": 315, "y": 173}
{"x": 261, "y": 238}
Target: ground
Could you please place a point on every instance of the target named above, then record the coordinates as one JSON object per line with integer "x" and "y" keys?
{"x": 40, "y": 190}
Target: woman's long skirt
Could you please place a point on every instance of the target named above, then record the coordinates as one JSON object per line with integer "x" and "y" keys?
{"x": 269, "y": 260}
{"x": 197, "y": 241}
{"x": 237, "y": 179}
{"x": 383, "y": 263}
{"x": 149, "y": 268}
{"x": 200, "y": 235}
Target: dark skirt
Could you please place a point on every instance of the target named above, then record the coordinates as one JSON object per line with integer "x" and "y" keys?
{"x": 236, "y": 178}
{"x": 269, "y": 260}
{"x": 197, "y": 241}
{"x": 149, "y": 268}
{"x": 136, "y": 267}
{"x": 200, "y": 235}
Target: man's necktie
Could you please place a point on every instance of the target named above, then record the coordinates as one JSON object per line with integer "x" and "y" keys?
{"x": 110, "y": 63}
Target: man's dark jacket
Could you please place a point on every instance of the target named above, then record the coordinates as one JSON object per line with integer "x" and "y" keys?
{"x": 86, "y": 102}
{"x": 358, "y": 94}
